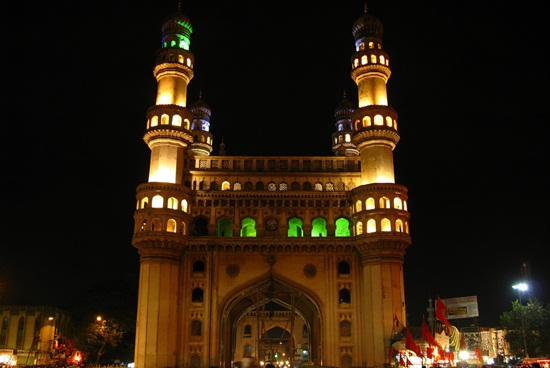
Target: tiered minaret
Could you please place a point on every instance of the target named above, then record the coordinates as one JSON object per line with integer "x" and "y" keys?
{"x": 380, "y": 205}
{"x": 163, "y": 204}
{"x": 341, "y": 138}
{"x": 202, "y": 138}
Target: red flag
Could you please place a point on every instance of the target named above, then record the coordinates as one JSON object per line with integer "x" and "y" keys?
{"x": 391, "y": 354}
{"x": 426, "y": 334}
{"x": 409, "y": 362}
{"x": 441, "y": 311}
{"x": 411, "y": 345}
{"x": 429, "y": 352}
{"x": 478, "y": 354}
{"x": 401, "y": 362}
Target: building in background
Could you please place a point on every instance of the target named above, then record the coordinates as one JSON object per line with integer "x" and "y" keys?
{"x": 282, "y": 259}
{"x": 36, "y": 335}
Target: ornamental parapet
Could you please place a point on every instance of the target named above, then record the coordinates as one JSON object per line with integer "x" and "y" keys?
{"x": 276, "y": 164}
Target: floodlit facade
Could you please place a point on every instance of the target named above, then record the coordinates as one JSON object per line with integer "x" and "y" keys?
{"x": 279, "y": 259}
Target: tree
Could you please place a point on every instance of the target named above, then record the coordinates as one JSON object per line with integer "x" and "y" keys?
{"x": 105, "y": 333}
{"x": 536, "y": 325}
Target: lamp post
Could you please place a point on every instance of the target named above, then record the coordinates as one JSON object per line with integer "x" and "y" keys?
{"x": 522, "y": 287}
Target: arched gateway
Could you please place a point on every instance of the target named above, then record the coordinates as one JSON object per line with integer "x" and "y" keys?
{"x": 257, "y": 259}
{"x": 271, "y": 320}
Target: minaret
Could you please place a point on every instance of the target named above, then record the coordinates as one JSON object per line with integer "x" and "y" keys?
{"x": 200, "y": 128}
{"x": 341, "y": 138}
{"x": 375, "y": 122}
{"x": 169, "y": 121}
{"x": 380, "y": 205}
{"x": 163, "y": 204}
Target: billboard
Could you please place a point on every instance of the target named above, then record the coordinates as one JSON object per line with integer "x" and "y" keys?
{"x": 464, "y": 307}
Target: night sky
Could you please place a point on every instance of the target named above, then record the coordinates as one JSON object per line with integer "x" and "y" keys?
{"x": 469, "y": 82}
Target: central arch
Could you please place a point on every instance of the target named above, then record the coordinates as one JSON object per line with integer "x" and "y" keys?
{"x": 268, "y": 296}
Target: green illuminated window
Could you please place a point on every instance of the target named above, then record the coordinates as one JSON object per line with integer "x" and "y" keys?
{"x": 248, "y": 227}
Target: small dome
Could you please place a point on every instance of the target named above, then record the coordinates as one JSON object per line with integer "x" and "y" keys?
{"x": 367, "y": 25}
{"x": 344, "y": 109}
{"x": 201, "y": 109}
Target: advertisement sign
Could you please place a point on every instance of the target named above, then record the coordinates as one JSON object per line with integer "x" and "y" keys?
{"x": 464, "y": 307}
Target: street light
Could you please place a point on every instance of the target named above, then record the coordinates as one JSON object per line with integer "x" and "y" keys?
{"x": 522, "y": 287}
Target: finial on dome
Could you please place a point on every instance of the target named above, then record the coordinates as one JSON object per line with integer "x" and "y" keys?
{"x": 200, "y": 94}
{"x": 179, "y": 5}
{"x": 366, "y": 8}
{"x": 345, "y": 95}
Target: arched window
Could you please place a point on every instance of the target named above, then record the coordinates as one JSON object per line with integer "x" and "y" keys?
{"x": 370, "y": 203}
{"x": 373, "y": 59}
{"x": 358, "y": 206}
{"x": 20, "y": 333}
{"x": 318, "y": 187}
{"x": 366, "y": 121}
{"x": 171, "y": 226}
{"x": 348, "y": 137}
{"x": 144, "y": 202}
{"x": 295, "y": 186}
{"x": 399, "y": 226}
{"x": 307, "y": 185}
{"x": 342, "y": 227}
{"x": 271, "y": 186}
{"x": 364, "y": 59}
{"x": 198, "y": 266}
{"x": 214, "y": 185}
{"x": 295, "y": 227}
{"x": 319, "y": 227}
{"x": 384, "y": 202}
{"x": 226, "y": 185}
{"x": 345, "y": 328}
{"x": 329, "y": 187}
{"x": 182, "y": 228}
{"x": 197, "y": 295}
{"x": 4, "y": 332}
{"x": 176, "y": 120}
{"x": 248, "y": 186}
{"x": 200, "y": 227}
{"x": 164, "y": 119}
{"x": 247, "y": 351}
{"x": 283, "y": 187}
{"x": 237, "y": 186}
{"x": 225, "y": 227}
{"x": 158, "y": 201}
{"x": 382, "y": 60}
{"x": 172, "y": 203}
{"x": 397, "y": 203}
{"x": 371, "y": 226}
{"x": 247, "y": 331}
{"x": 196, "y": 328}
{"x": 187, "y": 124}
{"x": 344, "y": 296}
{"x": 154, "y": 121}
{"x": 184, "y": 205}
{"x": 156, "y": 225}
{"x": 259, "y": 185}
{"x": 344, "y": 268}
{"x": 385, "y": 225}
{"x": 248, "y": 227}
{"x": 195, "y": 361}
{"x": 378, "y": 120}
{"x": 345, "y": 362}
{"x": 359, "y": 228}
{"x": 389, "y": 121}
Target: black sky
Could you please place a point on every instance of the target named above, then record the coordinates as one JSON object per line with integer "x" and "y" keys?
{"x": 469, "y": 81}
